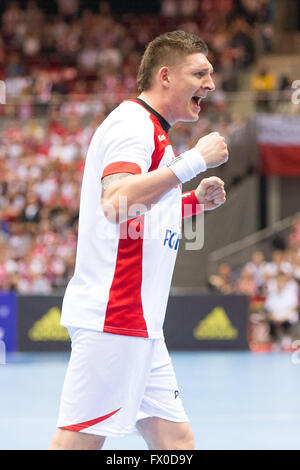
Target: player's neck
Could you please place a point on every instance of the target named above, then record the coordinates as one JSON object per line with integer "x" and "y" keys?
{"x": 157, "y": 104}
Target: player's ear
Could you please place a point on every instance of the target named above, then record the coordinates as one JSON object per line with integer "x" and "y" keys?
{"x": 164, "y": 76}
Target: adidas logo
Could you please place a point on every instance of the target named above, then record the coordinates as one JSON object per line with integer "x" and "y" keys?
{"x": 216, "y": 325}
{"x": 161, "y": 137}
{"x": 48, "y": 328}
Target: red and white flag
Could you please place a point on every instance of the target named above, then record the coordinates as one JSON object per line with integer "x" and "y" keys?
{"x": 279, "y": 143}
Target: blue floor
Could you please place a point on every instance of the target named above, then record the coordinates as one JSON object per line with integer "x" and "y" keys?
{"x": 235, "y": 400}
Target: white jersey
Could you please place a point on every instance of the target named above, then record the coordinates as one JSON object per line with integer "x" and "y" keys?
{"x": 123, "y": 272}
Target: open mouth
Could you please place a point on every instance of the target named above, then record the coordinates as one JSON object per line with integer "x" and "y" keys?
{"x": 197, "y": 100}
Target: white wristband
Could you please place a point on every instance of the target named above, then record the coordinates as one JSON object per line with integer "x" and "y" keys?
{"x": 188, "y": 165}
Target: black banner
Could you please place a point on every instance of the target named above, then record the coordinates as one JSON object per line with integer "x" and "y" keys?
{"x": 207, "y": 322}
{"x": 39, "y": 326}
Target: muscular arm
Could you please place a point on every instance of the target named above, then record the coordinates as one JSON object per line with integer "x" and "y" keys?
{"x": 145, "y": 190}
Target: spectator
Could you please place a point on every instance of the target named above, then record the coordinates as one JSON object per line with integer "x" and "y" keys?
{"x": 88, "y": 57}
{"x": 188, "y": 8}
{"x": 32, "y": 208}
{"x": 8, "y": 267}
{"x": 222, "y": 281}
{"x": 294, "y": 237}
{"x": 277, "y": 265}
{"x": 242, "y": 44}
{"x": 19, "y": 239}
{"x": 278, "y": 242}
{"x": 263, "y": 83}
{"x": 281, "y": 306}
{"x": 33, "y": 15}
{"x": 246, "y": 283}
{"x": 257, "y": 267}
{"x": 296, "y": 266}
{"x": 31, "y": 45}
{"x": 68, "y": 9}
{"x": 169, "y": 8}
{"x": 12, "y": 18}
{"x": 14, "y": 67}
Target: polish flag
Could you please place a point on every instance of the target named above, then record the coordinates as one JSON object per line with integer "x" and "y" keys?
{"x": 279, "y": 143}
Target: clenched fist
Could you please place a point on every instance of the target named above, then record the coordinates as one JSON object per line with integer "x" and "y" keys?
{"x": 211, "y": 193}
{"x": 213, "y": 149}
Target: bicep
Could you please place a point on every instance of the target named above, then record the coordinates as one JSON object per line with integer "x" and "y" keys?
{"x": 127, "y": 148}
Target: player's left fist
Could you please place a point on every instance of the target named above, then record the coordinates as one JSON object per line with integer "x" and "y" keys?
{"x": 211, "y": 193}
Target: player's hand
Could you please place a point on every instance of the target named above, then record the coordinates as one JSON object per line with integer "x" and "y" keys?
{"x": 211, "y": 193}
{"x": 213, "y": 149}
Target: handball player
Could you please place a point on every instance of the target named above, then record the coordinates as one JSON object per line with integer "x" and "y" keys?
{"x": 120, "y": 377}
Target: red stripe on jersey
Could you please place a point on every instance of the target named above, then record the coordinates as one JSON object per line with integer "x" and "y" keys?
{"x": 161, "y": 141}
{"x": 190, "y": 204}
{"x": 124, "y": 312}
{"x": 86, "y": 424}
{"x": 121, "y": 167}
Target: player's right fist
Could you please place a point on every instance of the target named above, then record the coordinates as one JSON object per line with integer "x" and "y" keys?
{"x": 213, "y": 149}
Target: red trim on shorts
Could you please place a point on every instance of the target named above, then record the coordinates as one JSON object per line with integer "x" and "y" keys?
{"x": 124, "y": 312}
{"x": 86, "y": 424}
{"x": 121, "y": 167}
{"x": 190, "y": 204}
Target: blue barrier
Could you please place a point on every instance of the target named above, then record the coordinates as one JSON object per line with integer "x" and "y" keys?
{"x": 8, "y": 320}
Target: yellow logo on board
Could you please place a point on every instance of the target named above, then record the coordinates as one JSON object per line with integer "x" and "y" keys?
{"x": 48, "y": 328}
{"x": 216, "y": 325}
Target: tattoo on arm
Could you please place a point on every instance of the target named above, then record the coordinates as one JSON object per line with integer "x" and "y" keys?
{"x": 107, "y": 180}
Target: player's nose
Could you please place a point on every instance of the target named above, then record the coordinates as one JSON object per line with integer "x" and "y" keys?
{"x": 209, "y": 84}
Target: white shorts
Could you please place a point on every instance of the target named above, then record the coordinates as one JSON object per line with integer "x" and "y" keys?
{"x": 112, "y": 381}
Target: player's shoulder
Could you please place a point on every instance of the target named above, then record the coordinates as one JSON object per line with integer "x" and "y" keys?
{"x": 132, "y": 114}
{"x": 128, "y": 120}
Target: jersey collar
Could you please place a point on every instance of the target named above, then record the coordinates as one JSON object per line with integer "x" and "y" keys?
{"x": 164, "y": 124}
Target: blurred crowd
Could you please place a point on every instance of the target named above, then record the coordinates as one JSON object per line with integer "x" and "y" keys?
{"x": 64, "y": 72}
{"x": 276, "y": 280}
{"x": 80, "y": 51}
{"x": 41, "y": 169}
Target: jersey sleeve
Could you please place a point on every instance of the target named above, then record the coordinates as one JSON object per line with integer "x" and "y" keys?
{"x": 128, "y": 147}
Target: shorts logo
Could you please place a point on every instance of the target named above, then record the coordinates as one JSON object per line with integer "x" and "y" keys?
{"x": 176, "y": 394}
{"x": 171, "y": 239}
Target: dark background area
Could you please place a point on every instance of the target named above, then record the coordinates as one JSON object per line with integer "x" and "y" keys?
{"x": 117, "y": 6}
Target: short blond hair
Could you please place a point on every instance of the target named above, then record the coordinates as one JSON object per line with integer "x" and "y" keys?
{"x": 166, "y": 49}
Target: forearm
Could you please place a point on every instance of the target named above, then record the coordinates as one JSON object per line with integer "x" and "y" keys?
{"x": 144, "y": 190}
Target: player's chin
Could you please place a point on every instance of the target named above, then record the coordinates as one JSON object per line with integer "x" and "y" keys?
{"x": 193, "y": 117}
{"x": 191, "y": 114}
